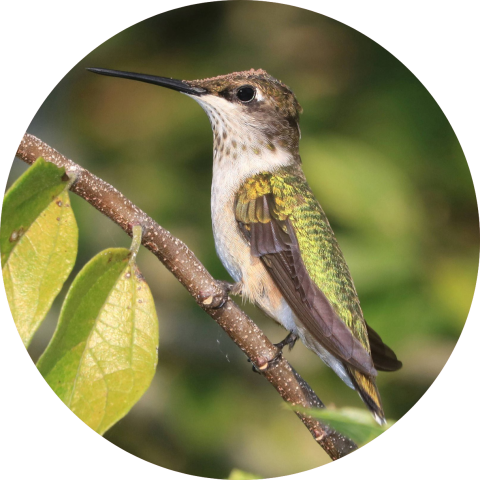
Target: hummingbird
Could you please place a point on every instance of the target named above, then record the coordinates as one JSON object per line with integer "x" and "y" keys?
{"x": 271, "y": 233}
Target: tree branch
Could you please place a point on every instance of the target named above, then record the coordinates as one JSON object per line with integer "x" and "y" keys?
{"x": 207, "y": 292}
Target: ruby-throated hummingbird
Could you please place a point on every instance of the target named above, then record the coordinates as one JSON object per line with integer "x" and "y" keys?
{"x": 271, "y": 233}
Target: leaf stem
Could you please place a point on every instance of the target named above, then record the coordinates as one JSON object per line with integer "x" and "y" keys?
{"x": 137, "y": 233}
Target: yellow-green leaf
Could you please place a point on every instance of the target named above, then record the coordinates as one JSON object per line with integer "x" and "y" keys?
{"x": 38, "y": 240}
{"x": 103, "y": 354}
{"x": 237, "y": 474}
{"x": 355, "y": 423}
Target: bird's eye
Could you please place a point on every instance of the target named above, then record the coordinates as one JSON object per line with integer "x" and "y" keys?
{"x": 246, "y": 93}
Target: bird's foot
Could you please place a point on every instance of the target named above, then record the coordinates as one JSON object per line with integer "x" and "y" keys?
{"x": 289, "y": 340}
{"x": 262, "y": 364}
{"x": 218, "y": 300}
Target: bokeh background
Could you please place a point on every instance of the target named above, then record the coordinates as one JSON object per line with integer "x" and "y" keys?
{"x": 380, "y": 156}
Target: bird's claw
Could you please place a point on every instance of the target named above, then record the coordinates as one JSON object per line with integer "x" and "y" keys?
{"x": 217, "y": 300}
{"x": 261, "y": 364}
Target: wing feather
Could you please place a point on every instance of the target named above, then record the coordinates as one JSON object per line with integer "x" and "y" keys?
{"x": 274, "y": 241}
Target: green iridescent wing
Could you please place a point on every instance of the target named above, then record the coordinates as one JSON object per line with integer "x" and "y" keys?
{"x": 288, "y": 230}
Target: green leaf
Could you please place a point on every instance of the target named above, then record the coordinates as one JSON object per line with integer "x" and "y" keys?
{"x": 237, "y": 474}
{"x": 103, "y": 354}
{"x": 39, "y": 241}
{"x": 354, "y": 423}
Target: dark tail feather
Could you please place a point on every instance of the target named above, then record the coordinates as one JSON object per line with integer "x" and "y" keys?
{"x": 384, "y": 357}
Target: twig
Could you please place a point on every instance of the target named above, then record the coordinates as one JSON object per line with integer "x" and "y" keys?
{"x": 207, "y": 292}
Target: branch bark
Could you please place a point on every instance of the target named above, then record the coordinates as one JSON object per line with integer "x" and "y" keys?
{"x": 207, "y": 292}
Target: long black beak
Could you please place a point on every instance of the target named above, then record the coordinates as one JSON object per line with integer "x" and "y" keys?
{"x": 178, "y": 85}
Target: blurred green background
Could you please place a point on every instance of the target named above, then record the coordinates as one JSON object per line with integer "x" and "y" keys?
{"x": 380, "y": 156}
